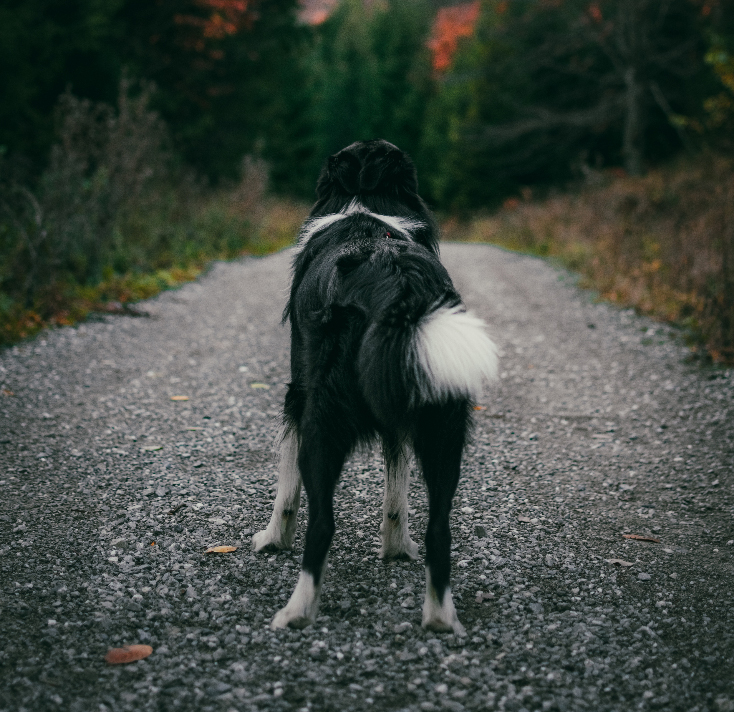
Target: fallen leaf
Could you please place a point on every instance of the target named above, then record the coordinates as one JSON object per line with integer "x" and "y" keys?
{"x": 480, "y": 407}
{"x": 127, "y": 654}
{"x": 7, "y": 392}
{"x": 152, "y": 448}
{"x": 264, "y": 386}
{"x": 620, "y": 562}
{"x": 220, "y": 549}
{"x": 640, "y": 537}
{"x": 179, "y": 398}
{"x": 524, "y": 519}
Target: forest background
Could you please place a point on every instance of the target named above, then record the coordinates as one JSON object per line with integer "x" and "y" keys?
{"x": 139, "y": 139}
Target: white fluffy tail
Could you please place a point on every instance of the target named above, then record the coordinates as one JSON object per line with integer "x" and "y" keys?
{"x": 454, "y": 354}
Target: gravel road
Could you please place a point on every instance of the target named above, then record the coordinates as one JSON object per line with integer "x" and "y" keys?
{"x": 599, "y": 427}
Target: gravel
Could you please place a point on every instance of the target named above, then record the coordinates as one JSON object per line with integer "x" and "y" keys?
{"x": 600, "y": 426}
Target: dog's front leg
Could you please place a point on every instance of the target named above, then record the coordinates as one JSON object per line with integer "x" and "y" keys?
{"x": 396, "y": 541}
{"x": 303, "y": 605}
{"x": 282, "y": 527}
{"x": 321, "y": 461}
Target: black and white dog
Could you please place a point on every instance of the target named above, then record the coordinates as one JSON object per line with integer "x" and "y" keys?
{"x": 381, "y": 348}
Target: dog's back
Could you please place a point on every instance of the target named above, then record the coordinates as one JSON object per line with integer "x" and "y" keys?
{"x": 391, "y": 327}
{"x": 381, "y": 347}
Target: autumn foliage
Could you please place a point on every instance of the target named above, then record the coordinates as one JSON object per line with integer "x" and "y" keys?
{"x": 217, "y": 20}
{"x": 450, "y": 25}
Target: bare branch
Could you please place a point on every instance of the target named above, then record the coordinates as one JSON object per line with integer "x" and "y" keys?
{"x": 545, "y": 119}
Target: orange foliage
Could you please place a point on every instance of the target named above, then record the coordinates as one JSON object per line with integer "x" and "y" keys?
{"x": 595, "y": 12}
{"x": 450, "y": 25}
{"x": 223, "y": 18}
{"x": 314, "y": 12}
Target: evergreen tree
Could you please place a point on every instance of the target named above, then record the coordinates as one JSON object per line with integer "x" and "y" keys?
{"x": 543, "y": 88}
{"x": 372, "y": 75}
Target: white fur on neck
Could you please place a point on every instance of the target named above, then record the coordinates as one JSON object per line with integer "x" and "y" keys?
{"x": 406, "y": 226}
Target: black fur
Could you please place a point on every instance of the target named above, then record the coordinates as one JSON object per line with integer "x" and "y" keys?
{"x": 359, "y": 289}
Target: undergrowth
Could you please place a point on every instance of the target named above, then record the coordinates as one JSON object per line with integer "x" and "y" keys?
{"x": 662, "y": 243}
{"x": 113, "y": 219}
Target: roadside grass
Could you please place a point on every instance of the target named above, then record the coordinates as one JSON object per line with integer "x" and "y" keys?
{"x": 115, "y": 218}
{"x": 220, "y": 227}
{"x": 662, "y": 243}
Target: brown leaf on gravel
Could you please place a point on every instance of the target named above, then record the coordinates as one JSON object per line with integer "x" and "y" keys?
{"x": 127, "y": 654}
{"x": 179, "y": 398}
{"x": 619, "y": 562}
{"x": 640, "y": 537}
{"x": 220, "y": 549}
{"x": 480, "y": 407}
{"x": 8, "y": 393}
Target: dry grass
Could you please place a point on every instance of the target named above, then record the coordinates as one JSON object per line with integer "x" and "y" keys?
{"x": 663, "y": 243}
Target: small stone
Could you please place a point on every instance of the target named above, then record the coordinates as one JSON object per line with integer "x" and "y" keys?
{"x": 480, "y": 531}
{"x": 120, "y": 543}
{"x": 644, "y": 577}
{"x": 441, "y": 689}
{"x": 409, "y": 602}
{"x": 402, "y": 627}
{"x": 217, "y": 688}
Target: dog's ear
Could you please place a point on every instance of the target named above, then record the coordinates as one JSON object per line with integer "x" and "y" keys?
{"x": 386, "y": 167}
{"x": 341, "y": 172}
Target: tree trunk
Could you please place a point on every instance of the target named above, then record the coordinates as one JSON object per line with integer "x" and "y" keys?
{"x": 632, "y": 140}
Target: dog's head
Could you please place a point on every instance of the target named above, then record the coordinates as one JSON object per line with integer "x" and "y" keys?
{"x": 367, "y": 168}
{"x": 379, "y": 177}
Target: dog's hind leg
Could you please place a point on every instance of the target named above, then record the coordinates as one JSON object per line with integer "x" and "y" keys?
{"x": 320, "y": 460}
{"x": 282, "y": 527}
{"x": 439, "y": 442}
{"x": 396, "y": 541}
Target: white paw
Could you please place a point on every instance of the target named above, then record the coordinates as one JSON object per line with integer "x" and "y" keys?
{"x": 288, "y": 618}
{"x": 440, "y": 617}
{"x": 266, "y": 541}
{"x": 405, "y": 549}
{"x": 441, "y": 624}
{"x": 302, "y": 607}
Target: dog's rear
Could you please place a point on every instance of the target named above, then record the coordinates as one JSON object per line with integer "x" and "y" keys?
{"x": 381, "y": 348}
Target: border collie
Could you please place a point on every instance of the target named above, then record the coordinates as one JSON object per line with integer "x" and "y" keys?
{"x": 382, "y": 348}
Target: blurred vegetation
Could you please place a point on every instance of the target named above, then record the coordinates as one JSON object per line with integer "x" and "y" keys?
{"x": 660, "y": 242}
{"x": 140, "y": 139}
